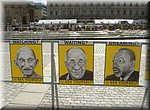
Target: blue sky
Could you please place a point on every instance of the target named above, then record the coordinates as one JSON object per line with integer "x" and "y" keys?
{"x": 42, "y": 1}
{"x": 45, "y": 1}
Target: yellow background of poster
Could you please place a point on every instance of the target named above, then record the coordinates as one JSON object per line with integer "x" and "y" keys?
{"x": 111, "y": 50}
{"x": 89, "y": 49}
{"x": 37, "y": 48}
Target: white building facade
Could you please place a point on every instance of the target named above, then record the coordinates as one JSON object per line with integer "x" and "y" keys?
{"x": 96, "y": 9}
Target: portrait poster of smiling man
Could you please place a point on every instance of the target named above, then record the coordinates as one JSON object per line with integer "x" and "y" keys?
{"x": 122, "y": 64}
{"x": 26, "y": 61}
{"x": 76, "y": 62}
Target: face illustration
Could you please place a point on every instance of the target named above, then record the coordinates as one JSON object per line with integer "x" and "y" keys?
{"x": 122, "y": 63}
{"x": 76, "y": 63}
{"x": 26, "y": 61}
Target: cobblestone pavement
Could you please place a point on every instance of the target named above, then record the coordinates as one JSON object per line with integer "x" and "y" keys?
{"x": 82, "y": 97}
{"x": 38, "y": 96}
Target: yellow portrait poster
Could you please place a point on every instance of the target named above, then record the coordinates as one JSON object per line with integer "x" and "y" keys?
{"x": 26, "y": 63}
{"x": 76, "y": 64}
{"x": 122, "y": 65}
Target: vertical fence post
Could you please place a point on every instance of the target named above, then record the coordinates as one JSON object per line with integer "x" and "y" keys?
{"x": 146, "y": 93}
{"x": 55, "y": 79}
{"x": 52, "y": 72}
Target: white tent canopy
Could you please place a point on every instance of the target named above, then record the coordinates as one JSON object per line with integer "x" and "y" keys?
{"x": 58, "y": 21}
{"x": 112, "y": 21}
{"x": 140, "y": 21}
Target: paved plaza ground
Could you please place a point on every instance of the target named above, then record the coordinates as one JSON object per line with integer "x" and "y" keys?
{"x": 38, "y": 96}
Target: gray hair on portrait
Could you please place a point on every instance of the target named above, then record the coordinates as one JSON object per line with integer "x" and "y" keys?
{"x": 131, "y": 53}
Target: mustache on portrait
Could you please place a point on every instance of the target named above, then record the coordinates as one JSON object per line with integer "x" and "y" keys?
{"x": 26, "y": 68}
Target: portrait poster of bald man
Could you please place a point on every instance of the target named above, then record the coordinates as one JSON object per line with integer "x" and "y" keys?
{"x": 26, "y": 62}
{"x": 122, "y": 65}
{"x": 76, "y": 63}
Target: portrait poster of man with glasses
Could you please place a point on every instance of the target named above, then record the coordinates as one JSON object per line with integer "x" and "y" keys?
{"x": 122, "y": 65}
{"x": 76, "y": 64}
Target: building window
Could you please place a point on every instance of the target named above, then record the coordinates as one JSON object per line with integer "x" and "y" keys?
{"x": 124, "y": 4}
{"x": 70, "y": 12}
{"x": 56, "y": 5}
{"x": 77, "y": 5}
{"x": 24, "y": 20}
{"x": 118, "y": 12}
{"x": 112, "y": 12}
{"x": 112, "y": 4}
{"x": 130, "y": 12}
{"x": 104, "y": 4}
{"x": 98, "y": 4}
{"x": 63, "y": 13}
{"x": 56, "y": 13}
{"x": 84, "y": 4}
{"x": 51, "y": 5}
{"x": 136, "y": 4}
{"x": 136, "y": 13}
{"x": 118, "y": 4}
{"x": 142, "y": 12}
{"x": 51, "y": 12}
{"x": 104, "y": 12}
{"x": 84, "y": 12}
{"x": 124, "y": 12}
{"x": 16, "y": 13}
{"x": 69, "y": 5}
{"x": 98, "y": 12}
{"x": 130, "y": 3}
{"x": 91, "y": 12}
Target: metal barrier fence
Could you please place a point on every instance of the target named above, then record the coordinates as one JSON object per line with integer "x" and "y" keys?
{"x": 105, "y": 43}
{"x": 97, "y": 45}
